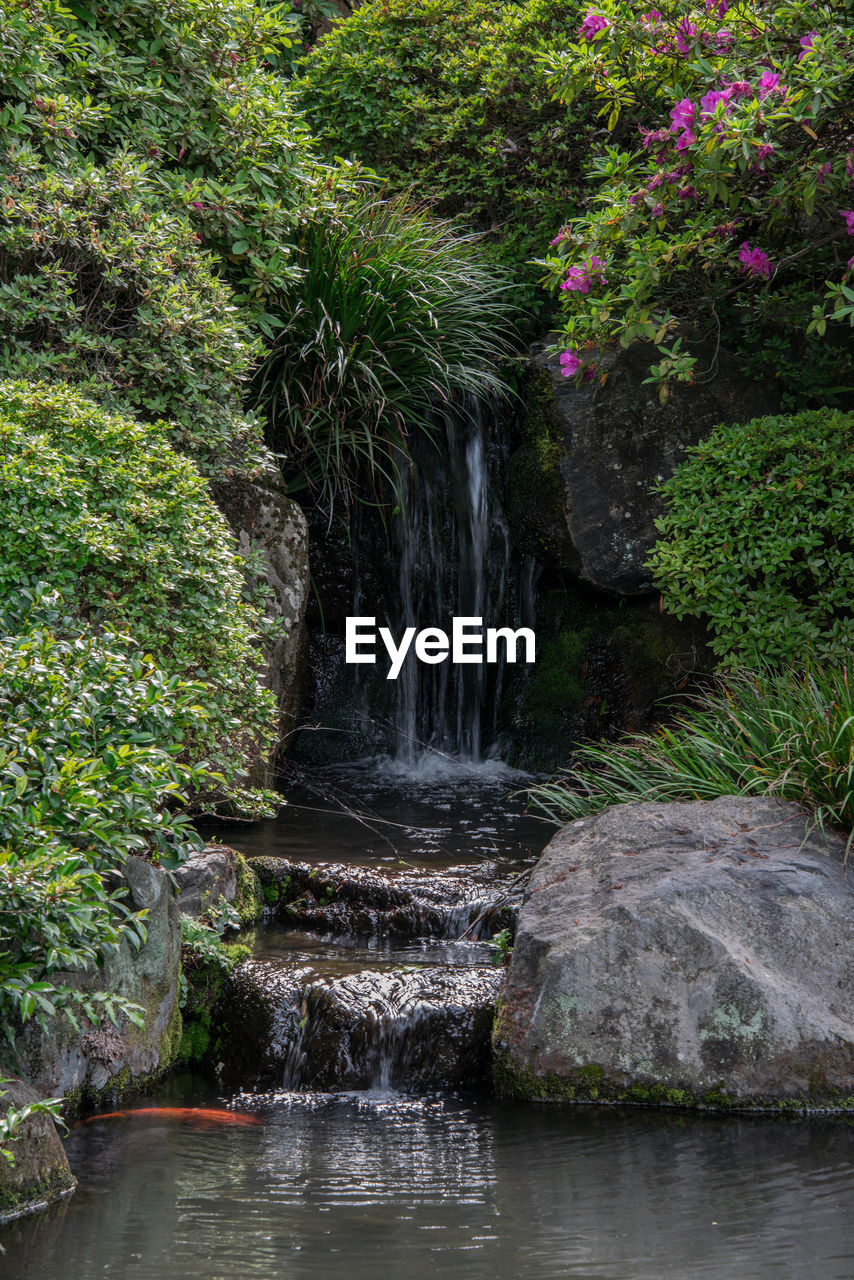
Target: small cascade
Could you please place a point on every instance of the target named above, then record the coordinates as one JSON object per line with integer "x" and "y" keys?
{"x": 423, "y": 1028}
{"x": 454, "y": 560}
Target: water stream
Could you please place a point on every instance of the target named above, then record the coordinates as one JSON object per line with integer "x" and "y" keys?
{"x": 397, "y": 1180}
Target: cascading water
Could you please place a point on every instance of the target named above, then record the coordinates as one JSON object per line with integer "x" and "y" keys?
{"x": 454, "y": 559}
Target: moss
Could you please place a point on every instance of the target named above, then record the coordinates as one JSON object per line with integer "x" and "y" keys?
{"x": 171, "y": 1039}
{"x": 249, "y": 900}
{"x": 16, "y": 1201}
{"x": 587, "y": 1084}
{"x": 537, "y": 496}
{"x": 196, "y": 1038}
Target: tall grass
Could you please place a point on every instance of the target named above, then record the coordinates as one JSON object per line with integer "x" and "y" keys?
{"x": 786, "y": 733}
{"x": 395, "y": 313}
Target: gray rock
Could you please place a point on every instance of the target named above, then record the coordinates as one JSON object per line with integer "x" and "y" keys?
{"x": 284, "y": 1026}
{"x": 205, "y": 879}
{"x": 684, "y": 953}
{"x": 39, "y": 1174}
{"x": 106, "y": 1061}
{"x": 273, "y": 535}
{"x": 617, "y": 441}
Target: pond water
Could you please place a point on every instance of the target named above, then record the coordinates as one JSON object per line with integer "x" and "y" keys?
{"x": 359, "y": 1184}
{"x": 363, "y": 1185}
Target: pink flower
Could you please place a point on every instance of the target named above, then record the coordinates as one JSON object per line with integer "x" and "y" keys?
{"x": 686, "y": 34}
{"x": 682, "y": 115}
{"x": 656, "y": 211}
{"x": 724, "y": 229}
{"x": 569, "y": 363}
{"x": 576, "y": 280}
{"x": 770, "y": 83}
{"x": 806, "y": 44}
{"x": 688, "y": 193}
{"x": 721, "y": 40}
{"x": 709, "y": 101}
{"x": 824, "y": 171}
{"x": 655, "y": 182}
{"x": 685, "y": 141}
{"x": 651, "y": 19}
{"x": 764, "y": 151}
{"x": 593, "y": 25}
{"x": 740, "y": 89}
{"x": 561, "y": 235}
{"x": 649, "y": 136}
{"x": 848, "y": 215}
{"x": 754, "y": 262}
{"x": 717, "y": 7}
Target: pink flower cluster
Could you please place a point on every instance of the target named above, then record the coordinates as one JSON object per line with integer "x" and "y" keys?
{"x": 569, "y": 363}
{"x": 754, "y": 262}
{"x": 593, "y": 25}
{"x": 579, "y": 279}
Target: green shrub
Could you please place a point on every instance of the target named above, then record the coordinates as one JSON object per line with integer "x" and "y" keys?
{"x": 102, "y": 508}
{"x": 89, "y": 773}
{"x": 786, "y": 733}
{"x": 451, "y": 100}
{"x": 186, "y": 86}
{"x": 101, "y": 286}
{"x": 757, "y": 538}
{"x": 394, "y": 313}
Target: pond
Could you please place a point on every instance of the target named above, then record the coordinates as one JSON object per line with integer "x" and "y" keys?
{"x": 401, "y": 1183}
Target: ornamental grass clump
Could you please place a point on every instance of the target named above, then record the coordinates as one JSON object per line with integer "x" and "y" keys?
{"x": 395, "y": 315}
{"x": 787, "y": 733}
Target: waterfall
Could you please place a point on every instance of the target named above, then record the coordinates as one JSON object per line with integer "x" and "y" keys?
{"x": 454, "y": 559}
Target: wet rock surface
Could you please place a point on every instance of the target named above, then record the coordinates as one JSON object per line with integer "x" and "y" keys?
{"x": 285, "y": 1027}
{"x": 343, "y": 898}
{"x": 107, "y": 1061}
{"x": 205, "y": 879}
{"x": 617, "y": 442}
{"x": 696, "y": 953}
{"x": 272, "y": 534}
{"x": 39, "y": 1174}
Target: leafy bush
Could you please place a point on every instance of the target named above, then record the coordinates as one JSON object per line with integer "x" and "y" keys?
{"x": 786, "y": 733}
{"x": 154, "y": 162}
{"x": 757, "y": 538}
{"x": 89, "y": 773}
{"x": 730, "y": 213}
{"x": 101, "y": 286}
{"x": 103, "y": 509}
{"x": 394, "y": 313}
{"x": 450, "y": 100}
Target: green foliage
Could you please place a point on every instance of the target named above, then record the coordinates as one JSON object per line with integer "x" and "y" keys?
{"x": 451, "y": 100}
{"x": 502, "y": 943}
{"x": 206, "y": 963}
{"x": 89, "y": 773}
{"x": 786, "y": 733}
{"x": 729, "y": 213}
{"x": 104, "y": 509}
{"x": 757, "y": 538}
{"x": 152, "y": 156}
{"x": 102, "y": 287}
{"x": 395, "y": 313}
{"x": 13, "y": 1117}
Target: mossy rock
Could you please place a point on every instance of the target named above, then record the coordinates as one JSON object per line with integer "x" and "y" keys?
{"x": 39, "y": 1173}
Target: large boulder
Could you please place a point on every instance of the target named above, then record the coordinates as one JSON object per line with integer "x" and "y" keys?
{"x": 583, "y": 479}
{"x": 696, "y": 953}
{"x": 272, "y": 535}
{"x": 38, "y": 1173}
{"x": 107, "y": 1061}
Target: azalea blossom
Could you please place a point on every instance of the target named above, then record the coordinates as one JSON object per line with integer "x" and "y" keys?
{"x": 569, "y": 363}
{"x": 754, "y": 262}
{"x": 806, "y": 44}
{"x": 686, "y": 34}
{"x": 592, "y": 26}
{"x": 770, "y": 83}
{"x": 682, "y": 115}
{"x": 709, "y": 101}
{"x": 848, "y": 215}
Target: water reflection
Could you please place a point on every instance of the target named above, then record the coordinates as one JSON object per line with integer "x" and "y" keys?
{"x": 359, "y": 1185}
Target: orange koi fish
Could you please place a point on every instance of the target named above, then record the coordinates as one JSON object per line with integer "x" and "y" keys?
{"x": 193, "y": 1115}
